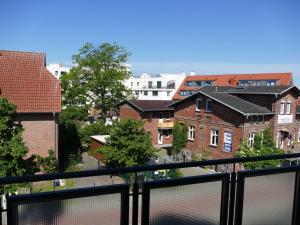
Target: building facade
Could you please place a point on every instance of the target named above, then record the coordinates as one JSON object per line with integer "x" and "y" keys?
{"x": 191, "y": 84}
{"x": 158, "y": 118}
{"x": 220, "y": 118}
{"x": 58, "y": 69}
{"x": 154, "y": 87}
{"x": 25, "y": 82}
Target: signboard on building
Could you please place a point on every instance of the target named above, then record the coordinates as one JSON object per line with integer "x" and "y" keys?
{"x": 227, "y": 141}
{"x": 284, "y": 119}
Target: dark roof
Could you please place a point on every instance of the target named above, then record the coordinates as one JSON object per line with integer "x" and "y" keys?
{"x": 150, "y": 105}
{"x": 237, "y": 104}
{"x": 25, "y": 82}
{"x": 265, "y": 90}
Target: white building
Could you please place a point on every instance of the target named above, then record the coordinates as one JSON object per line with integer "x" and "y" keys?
{"x": 155, "y": 87}
{"x": 57, "y": 69}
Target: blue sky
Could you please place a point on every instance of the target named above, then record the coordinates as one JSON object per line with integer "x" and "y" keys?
{"x": 205, "y": 36}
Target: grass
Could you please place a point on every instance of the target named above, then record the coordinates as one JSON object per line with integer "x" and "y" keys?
{"x": 48, "y": 186}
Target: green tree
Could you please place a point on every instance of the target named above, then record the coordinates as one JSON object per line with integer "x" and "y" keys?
{"x": 97, "y": 80}
{"x": 48, "y": 164}
{"x": 180, "y": 137}
{"x": 14, "y": 160}
{"x": 128, "y": 145}
{"x": 263, "y": 145}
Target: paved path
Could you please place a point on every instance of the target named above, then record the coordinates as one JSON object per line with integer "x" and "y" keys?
{"x": 90, "y": 163}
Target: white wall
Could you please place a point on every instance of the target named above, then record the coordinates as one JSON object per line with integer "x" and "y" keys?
{"x": 140, "y": 85}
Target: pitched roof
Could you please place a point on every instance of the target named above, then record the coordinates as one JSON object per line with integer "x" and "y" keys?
{"x": 237, "y": 104}
{"x": 25, "y": 81}
{"x": 232, "y": 80}
{"x": 225, "y": 96}
{"x": 264, "y": 90}
{"x": 150, "y": 105}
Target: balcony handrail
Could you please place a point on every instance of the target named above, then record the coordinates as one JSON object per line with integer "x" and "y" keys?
{"x": 136, "y": 169}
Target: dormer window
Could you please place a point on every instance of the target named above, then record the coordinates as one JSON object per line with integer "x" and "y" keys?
{"x": 198, "y": 104}
{"x": 208, "y": 105}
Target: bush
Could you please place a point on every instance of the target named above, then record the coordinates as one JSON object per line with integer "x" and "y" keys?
{"x": 48, "y": 164}
{"x": 96, "y": 128}
{"x": 180, "y": 137}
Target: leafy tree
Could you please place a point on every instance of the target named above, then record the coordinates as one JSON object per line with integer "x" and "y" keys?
{"x": 97, "y": 80}
{"x": 14, "y": 160}
{"x": 263, "y": 145}
{"x": 180, "y": 137}
{"x": 128, "y": 144}
{"x": 72, "y": 114}
{"x": 96, "y": 128}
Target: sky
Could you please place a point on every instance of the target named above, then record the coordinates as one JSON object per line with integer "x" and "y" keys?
{"x": 163, "y": 36}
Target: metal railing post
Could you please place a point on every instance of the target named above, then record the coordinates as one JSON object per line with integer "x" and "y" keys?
{"x": 135, "y": 201}
{"x": 232, "y": 198}
{"x": 296, "y": 206}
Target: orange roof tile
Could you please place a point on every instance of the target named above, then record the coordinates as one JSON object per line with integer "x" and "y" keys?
{"x": 25, "y": 81}
{"x": 232, "y": 80}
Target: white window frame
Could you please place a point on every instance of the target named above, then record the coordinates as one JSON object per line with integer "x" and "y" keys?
{"x": 251, "y": 139}
{"x": 206, "y": 106}
{"x": 198, "y": 109}
{"x": 288, "y": 107}
{"x": 278, "y": 139}
{"x": 282, "y": 107}
{"x": 214, "y": 137}
{"x": 191, "y": 135}
{"x": 299, "y": 135}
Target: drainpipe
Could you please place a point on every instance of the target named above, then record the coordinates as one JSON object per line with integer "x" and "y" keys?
{"x": 54, "y": 115}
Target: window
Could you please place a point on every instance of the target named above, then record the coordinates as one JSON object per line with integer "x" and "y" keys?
{"x": 277, "y": 139}
{"x": 145, "y": 92}
{"x": 299, "y": 135}
{"x": 191, "y": 133}
{"x": 149, "y": 84}
{"x": 155, "y": 93}
{"x": 288, "y": 107}
{"x": 182, "y": 93}
{"x": 198, "y": 104}
{"x": 137, "y": 83}
{"x": 168, "y": 93}
{"x": 158, "y": 84}
{"x": 271, "y": 83}
{"x": 214, "y": 137}
{"x": 131, "y": 84}
{"x": 137, "y": 93}
{"x": 208, "y": 105}
{"x": 251, "y": 139}
{"x": 289, "y": 140}
{"x": 282, "y": 106}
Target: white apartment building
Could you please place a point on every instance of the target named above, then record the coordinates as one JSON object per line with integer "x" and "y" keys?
{"x": 57, "y": 69}
{"x": 155, "y": 87}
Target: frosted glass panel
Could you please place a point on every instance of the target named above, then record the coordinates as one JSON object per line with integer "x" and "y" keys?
{"x": 187, "y": 205}
{"x": 102, "y": 209}
{"x": 268, "y": 200}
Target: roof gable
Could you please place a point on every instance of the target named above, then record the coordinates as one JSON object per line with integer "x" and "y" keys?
{"x": 25, "y": 81}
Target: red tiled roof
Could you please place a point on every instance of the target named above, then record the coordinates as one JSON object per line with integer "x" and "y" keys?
{"x": 25, "y": 81}
{"x": 232, "y": 80}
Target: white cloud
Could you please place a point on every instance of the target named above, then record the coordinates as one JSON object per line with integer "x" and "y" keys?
{"x": 215, "y": 68}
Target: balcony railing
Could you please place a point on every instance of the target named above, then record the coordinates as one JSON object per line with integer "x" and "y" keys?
{"x": 264, "y": 196}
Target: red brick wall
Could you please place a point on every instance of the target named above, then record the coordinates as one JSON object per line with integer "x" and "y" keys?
{"x": 127, "y": 112}
{"x": 94, "y": 145}
{"x": 150, "y": 121}
{"x": 221, "y": 118}
{"x": 40, "y": 132}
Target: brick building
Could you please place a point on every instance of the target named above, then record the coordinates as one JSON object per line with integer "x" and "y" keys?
{"x": 25, "y": 82}
{"x": 219, "y": 118}
{"x": 157, "y": 116}
{"x": 191, "y": 84}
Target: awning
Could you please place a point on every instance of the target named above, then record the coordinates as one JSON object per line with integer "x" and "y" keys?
{"x": 165, "y": 125}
